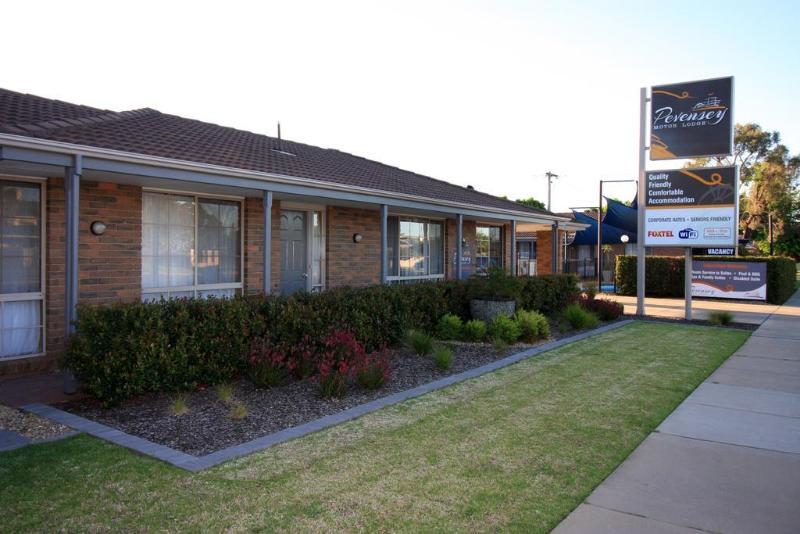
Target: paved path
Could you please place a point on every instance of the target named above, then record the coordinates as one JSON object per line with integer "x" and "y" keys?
{"x": 726, "y": 460}
{"x": 743, "y": 312}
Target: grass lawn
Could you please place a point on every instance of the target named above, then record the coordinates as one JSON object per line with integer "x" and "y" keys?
{"x": 516, "y": 449}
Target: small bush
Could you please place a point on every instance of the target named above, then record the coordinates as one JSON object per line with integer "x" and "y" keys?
{"x": 449, "y": 327}
{"x": 578, "y": 318}
{"x": 420, "y": 342}
{"x": 238, "y": 411}
{"x": 494, "y": 284}
{"x": 549, "y": 293}
{"x": 224, "y": 392}
{"x": 443, "y": 358}
{"x": 268, "y": 366}
{"x": 590, "y": 290}
{"x": 532, "y": 325}
{"x": 721, "y": 318}
{"x": 606, "y": 310}
{"x": 505, "y": 328}
{"x": 179, "y": 405}
{"x": 474, "y": 330}
{"x": 500, "y": 346}
{"x": 374, "y": 371}
{"x": 340, "y": 357}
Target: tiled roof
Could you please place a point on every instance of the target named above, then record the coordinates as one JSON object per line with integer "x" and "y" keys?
{"x": 150, "y": 132}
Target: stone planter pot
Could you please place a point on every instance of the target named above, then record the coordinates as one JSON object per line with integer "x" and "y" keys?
{"x": 486, "y": 310}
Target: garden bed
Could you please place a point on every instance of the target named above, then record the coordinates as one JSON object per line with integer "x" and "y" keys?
{"x": 208, "y": 427}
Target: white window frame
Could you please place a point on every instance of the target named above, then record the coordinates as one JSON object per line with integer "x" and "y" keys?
{"x": 196, "y": 288}
{"x": 418, "y": 218}
{"x": 309, "y": 210}
{"x": 40, "y": 295}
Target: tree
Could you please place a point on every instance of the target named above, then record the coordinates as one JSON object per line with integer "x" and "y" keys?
{"x": 768, "y": 176}
{"x": 531, "y": 203}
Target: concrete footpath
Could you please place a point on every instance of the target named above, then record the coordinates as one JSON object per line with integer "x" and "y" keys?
{"x": 726, "y": 460}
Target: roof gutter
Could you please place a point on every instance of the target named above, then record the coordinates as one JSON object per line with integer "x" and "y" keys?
{"x": 71, "y": 149}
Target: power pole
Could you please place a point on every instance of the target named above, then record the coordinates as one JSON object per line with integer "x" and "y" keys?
{"x": 550, "y": 176}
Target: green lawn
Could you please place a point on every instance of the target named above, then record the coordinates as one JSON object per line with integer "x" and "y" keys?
{"x": 516, "y": 449}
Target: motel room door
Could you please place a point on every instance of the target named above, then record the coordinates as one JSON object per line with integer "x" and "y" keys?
{"x": 294, "y": 252}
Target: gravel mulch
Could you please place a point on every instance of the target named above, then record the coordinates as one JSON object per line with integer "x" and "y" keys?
{"x": 208, "y": 427}
{"x": 29, "y": 425}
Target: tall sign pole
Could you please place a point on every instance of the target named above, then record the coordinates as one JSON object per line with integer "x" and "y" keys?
{"x": 641, "y": 202}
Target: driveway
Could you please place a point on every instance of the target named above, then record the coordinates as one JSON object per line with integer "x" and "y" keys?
{"x": 743, "y": 312}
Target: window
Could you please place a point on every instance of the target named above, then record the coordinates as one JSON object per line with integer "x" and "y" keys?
{"x": 415, "y": 248}
{"x": 21, "y": 297}
{"x": 488, "y": 247}
{"x": 172, "y": 265}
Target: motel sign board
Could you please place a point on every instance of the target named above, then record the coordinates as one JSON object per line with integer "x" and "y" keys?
{"x": 691, "y": 207}
{"x": 691, "y": 119}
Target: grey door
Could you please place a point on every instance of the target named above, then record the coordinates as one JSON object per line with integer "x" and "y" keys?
{"x": 294, "y": 252}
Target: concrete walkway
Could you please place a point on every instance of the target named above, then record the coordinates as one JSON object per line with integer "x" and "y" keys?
{"x": 743, "y": 311}
{"x": 726, "y": 460}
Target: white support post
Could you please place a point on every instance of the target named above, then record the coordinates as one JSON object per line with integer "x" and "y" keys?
{"x": 267, "y": 283}
{"x": 72, "y": 188}
{"x": 641, "y": 201}
{"x": 513, "y": 248}
{"x": 459, "y": 244}
{"x": 384, "y": 243}
{"x": 687, "y": 284}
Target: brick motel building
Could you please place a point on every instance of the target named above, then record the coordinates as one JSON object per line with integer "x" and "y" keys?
{"x": 100, "y": 206}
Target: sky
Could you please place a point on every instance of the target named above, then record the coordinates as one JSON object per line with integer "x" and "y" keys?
{"x": 489, "y": 94}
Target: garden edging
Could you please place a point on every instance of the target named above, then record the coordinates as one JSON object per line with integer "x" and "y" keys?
{"x": 192, "y": 463}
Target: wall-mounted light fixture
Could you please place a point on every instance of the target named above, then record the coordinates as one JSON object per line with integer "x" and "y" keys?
{"x": 464, "y": 241}
{"x": 357, "y": 238}
{"x": 98, "y": 227}
{"x": 624, "y": 238}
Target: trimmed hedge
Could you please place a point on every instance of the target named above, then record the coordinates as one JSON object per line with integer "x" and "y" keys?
{"x": 128, "y": 349}
{"x": 665, "y": 275}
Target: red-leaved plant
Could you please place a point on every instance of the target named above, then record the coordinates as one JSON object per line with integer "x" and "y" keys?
{"x": 340, "y": 356}
{"x": 374, "y": 370}
{"x": 268, "y": 366}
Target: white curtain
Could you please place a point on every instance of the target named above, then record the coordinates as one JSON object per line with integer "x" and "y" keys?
{"x": 20, "y": 328}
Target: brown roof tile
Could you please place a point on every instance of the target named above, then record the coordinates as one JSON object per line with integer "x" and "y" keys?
{"x": 150, "y": 132}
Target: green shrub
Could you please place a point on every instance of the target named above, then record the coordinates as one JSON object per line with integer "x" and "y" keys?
{"x": 449, "y": 327}
{"x": 238, "y": 411}
{"x": 505, "y": 328}
{"x": 494, "y": 284}
{"x": 548, "y": 294}
{"x": 579, "y": 318}
{"x": 420, "y": 342}
{"x": 474, "y": 330}
{"x": 128, "y": 349}
{"x": 443, "y": 358}
{"x": 500, "y": 346}
{"x": 665, "y": 275}
{"x": 374, "y": 371}
{"x": 532, "y": 325}
{"x": 179, "y": 405}
{"x": 720, "y": 317}
{"x": 224, "y": 392}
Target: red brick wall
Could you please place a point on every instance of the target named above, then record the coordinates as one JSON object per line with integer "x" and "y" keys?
{"x": 349, "y": 263}
{"x": 253, "y": 245}
{"x": 544, "y": 252}
{"x": 110, "y": 265}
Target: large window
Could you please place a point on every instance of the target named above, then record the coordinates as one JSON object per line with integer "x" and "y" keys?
{"x": 21, "y": 297}
{"x": 416, "y": 248}
{"x": 191, "y": 246}
{"x": 488, "y": 247}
